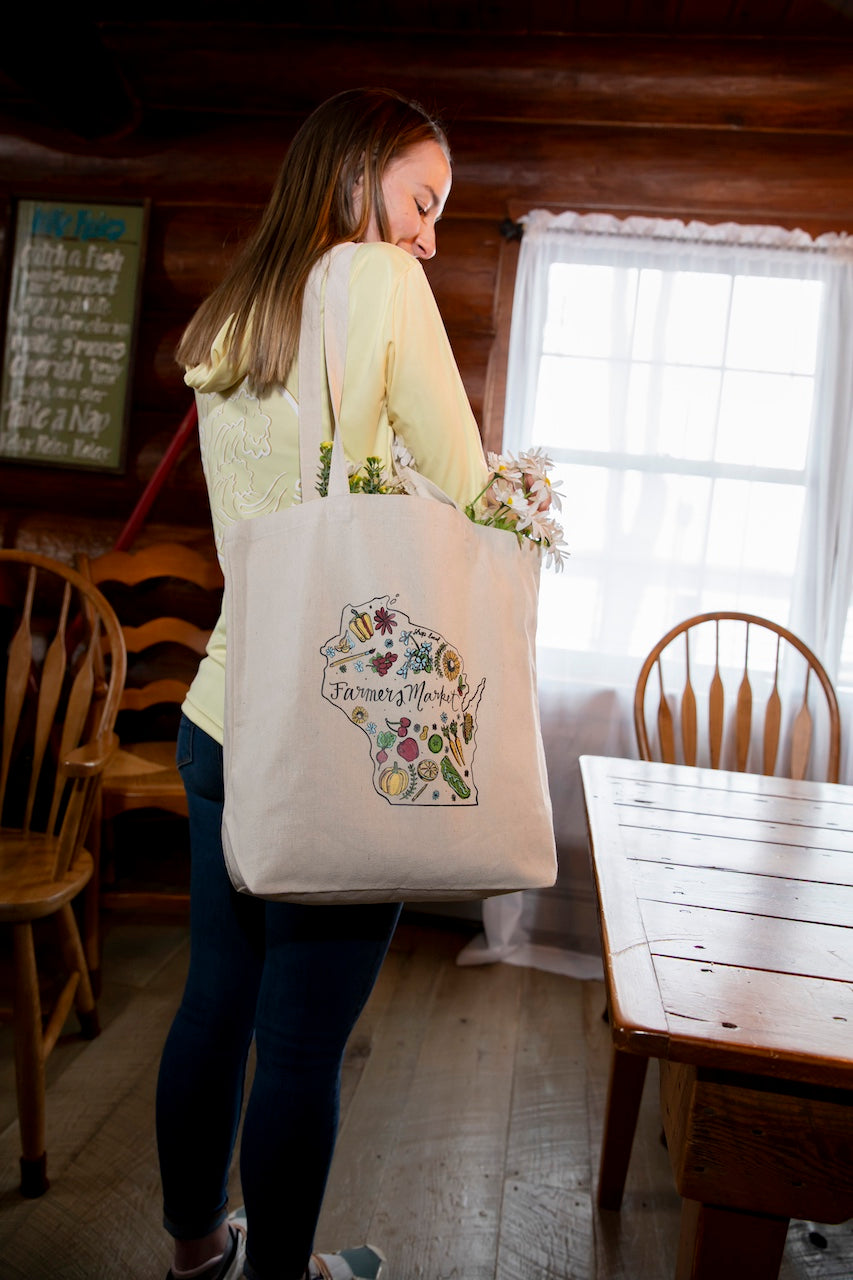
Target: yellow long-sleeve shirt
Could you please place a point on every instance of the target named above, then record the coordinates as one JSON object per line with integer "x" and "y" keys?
{"x": 400, "y": 380}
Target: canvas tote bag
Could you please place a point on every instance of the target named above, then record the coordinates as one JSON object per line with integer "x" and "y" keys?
{"x": 382, "y": 738}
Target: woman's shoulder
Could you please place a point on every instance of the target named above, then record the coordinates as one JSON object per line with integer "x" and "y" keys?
{"x": 222, "y": 369}
{"x": 381, "y": 266}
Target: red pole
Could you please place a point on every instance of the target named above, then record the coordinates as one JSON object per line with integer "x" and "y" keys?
{"x": 130, "y": 531}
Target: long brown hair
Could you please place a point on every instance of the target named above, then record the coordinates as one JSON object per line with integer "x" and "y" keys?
{"x": 353, "y": 135}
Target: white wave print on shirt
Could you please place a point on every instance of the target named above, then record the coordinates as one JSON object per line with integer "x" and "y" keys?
{"x": 235, "y": 455}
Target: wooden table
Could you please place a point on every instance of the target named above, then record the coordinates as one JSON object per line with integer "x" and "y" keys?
{"x": 726, "y": 906}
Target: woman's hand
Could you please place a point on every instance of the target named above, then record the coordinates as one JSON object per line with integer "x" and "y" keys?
{"x": 537, "y": 488}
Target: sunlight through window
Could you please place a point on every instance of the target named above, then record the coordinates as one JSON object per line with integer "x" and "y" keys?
{"x": 678, "y": 405}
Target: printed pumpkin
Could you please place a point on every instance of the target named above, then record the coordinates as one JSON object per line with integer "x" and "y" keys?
{"x": 394, "y": 781}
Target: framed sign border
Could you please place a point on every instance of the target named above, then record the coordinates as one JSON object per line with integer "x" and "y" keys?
{"x": 10, "y": 250}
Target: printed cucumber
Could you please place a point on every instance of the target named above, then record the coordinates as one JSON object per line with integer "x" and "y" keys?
{"x": 454, "y": 780}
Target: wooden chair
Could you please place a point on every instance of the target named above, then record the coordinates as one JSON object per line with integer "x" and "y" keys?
{"x": 753, "y": 652}
{"x": 148, "y": 589}
{"x": 58, "y": 718}
{"x": 778, "y": 693}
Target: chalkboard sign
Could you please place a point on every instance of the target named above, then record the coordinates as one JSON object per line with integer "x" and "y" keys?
{"x": 70, "y": 328}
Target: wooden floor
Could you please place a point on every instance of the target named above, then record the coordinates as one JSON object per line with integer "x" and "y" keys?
{"x": 472, "y": 1113}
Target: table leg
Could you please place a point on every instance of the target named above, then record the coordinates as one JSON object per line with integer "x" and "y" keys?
{"x": 719, "y": 1242}
{"x": 624, "y": 1095}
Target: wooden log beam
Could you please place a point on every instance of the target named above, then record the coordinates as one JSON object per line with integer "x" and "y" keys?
{"x": 679, "y": 172}
{"x": 764, "y": 84}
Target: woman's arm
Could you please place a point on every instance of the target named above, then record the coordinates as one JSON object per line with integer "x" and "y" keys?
{"x": 401, "y": 376}
{"x": 428, "y": 406}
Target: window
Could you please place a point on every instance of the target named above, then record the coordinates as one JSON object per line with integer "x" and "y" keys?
{"x": 679, "y": 380}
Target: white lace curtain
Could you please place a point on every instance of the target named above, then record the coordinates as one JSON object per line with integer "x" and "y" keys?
{"x": 597, "y": 622}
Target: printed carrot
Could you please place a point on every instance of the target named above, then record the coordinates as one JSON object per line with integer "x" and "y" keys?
{"x": 452, "y": 735}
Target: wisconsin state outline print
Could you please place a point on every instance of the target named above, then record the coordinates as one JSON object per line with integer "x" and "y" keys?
{"x": 404, "y": 686}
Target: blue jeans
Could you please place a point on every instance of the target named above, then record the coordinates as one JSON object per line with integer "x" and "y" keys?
{"x": 294, "y": 977}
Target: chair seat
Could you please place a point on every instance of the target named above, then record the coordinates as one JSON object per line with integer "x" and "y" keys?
{"x": 141, "y": 769}
{"x": 28, "y": 890}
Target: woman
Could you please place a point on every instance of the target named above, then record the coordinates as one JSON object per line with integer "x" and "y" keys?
{"x": 370, "y": 167}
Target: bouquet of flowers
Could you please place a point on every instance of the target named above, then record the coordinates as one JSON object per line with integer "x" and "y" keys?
{"x": 370, "y": 478}
{"x": 519, "y": 497}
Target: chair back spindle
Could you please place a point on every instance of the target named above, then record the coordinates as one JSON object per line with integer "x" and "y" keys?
{"x": 716, "y": 706}
{"x": 688, "y": 710}
{"x": 762, "y": 656}
{"x": 744, "y": 709}
{"x": 52, "y": 681}
{"x": 666, "y": 731}
{"x": 801, "y": 736}
{"x": 18, "y": 666}
{"x": 773, "y": 718}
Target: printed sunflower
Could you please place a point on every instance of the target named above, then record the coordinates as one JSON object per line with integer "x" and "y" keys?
{"x": 451, "y": 664}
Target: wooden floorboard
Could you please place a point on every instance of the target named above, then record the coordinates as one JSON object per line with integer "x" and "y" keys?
{"x": 472, "y": 1109}
{"x": 546, "y": 1219}
{"x": 439, "y": 1210}
{"x": 372, "y": 1122}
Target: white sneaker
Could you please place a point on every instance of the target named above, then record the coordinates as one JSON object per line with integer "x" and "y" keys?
{"x": 231, "y": 1266}
{"x": 234, "y": 1265}
{"x": 365, "y": 1262}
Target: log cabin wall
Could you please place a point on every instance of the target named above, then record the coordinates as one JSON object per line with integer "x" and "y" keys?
{"x": 690, "y": 109}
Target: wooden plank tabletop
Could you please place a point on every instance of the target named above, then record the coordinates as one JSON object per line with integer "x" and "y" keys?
{"x": 727, "y": 916}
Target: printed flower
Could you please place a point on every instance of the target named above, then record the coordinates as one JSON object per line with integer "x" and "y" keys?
{"x": 451, "y": 664}
{"x": 421, "y": 659}
{"x": 371, "y": 728}
{"x": 359, "y": 715}
{"x": 385, "y": 621}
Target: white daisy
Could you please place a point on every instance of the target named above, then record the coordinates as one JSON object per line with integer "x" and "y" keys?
{"x": 504, "y": 465}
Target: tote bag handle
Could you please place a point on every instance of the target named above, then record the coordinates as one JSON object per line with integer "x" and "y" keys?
{"x": 323, "y": 328}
